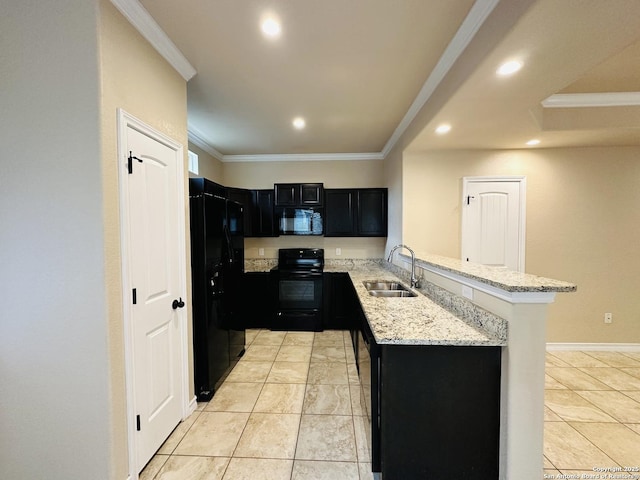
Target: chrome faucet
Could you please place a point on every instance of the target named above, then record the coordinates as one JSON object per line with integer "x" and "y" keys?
{"x": 414, "y": 280}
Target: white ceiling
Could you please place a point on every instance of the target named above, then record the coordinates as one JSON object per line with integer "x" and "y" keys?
{"x": 359, "y": 71}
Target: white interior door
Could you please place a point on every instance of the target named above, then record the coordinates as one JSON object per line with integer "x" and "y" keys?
{"x": 154, "y": 251}
{"x": 493, "y": 221}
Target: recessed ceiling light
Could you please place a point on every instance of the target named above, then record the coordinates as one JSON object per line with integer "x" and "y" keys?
{"x": 533, "y": 142}
{"x": 509, "y": 67}
{"x": 299, "y": 123}
{"x": 271, "y": 27}
{"x": 443, "y": 128}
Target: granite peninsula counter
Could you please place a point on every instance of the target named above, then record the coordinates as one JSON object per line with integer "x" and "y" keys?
{"x": 415, "y": 320}
{"x": 464, "y": 304}
{"x": 420, "y": 320}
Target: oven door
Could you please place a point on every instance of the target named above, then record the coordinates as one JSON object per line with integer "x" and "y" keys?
{"x": 299, "y": 291}
{"x": 299, "y": 301}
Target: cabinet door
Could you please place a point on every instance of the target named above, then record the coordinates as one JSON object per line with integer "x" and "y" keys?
{"x": 345, "y": 300}
{"x": 340, "y": 302}
{"x": 243, "y": 196}
{"x": 262, "y": 219}
{"x": 372, "y": 212}
{"x": 311, "y": 194}
{"x": 258, "y": 308}
{"x": 340, "y": 212}
{"x": 440, "y": 411}
{"x": 287, "y": 194}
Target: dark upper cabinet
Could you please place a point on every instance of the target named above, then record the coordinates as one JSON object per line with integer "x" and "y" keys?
{"x": 262, "y": 215}
{"x": 298, "y": 194}
{"x": 372, "y": 212}
{"x": 340, "y": 212}
{"x": 311, "y": 194}
{"x": 243, "y": 196}
{"x": 204, "y": 185}
{"x": 360, "y": 212}
{"x": 258, "y": 210}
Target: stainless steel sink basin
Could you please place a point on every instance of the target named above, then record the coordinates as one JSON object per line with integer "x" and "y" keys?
{"x": 383, "y": 285}
{"x": 391, "y": 293}
{"x": 387, "y": 288}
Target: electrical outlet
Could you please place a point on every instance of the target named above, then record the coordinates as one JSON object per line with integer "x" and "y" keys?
{"x": 338, "y": 251}
{"x": 467, "y": 292}
{"x": 608, "y": 317}
{"x": 261, "y": 252}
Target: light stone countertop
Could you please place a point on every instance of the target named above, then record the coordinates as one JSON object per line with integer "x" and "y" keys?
{"x": 501, "y": 278}
{"x": 259, "y": 264}
{"x": 412, "y": 320}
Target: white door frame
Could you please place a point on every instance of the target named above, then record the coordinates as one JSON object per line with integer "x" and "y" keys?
{"x": 522, "y": 181}
{"x": 126, "y": 120}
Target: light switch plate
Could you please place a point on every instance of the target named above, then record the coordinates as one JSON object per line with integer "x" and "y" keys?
{"x": 338, "y": 251}
{"x": 261, "y": 252}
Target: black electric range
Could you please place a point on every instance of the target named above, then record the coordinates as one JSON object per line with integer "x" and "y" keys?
{"x": 299, "y": 289}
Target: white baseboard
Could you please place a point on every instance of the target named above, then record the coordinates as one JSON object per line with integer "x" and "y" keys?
{"x": 600, "y": 347}
{"x": 193, "y": 405}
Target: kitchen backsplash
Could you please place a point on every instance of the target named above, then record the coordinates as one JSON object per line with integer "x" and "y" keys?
{"x": 334, "y": 248}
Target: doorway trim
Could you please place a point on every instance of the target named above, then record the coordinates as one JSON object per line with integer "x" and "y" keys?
{"x": 125, "y": 121}
{"x": 522, "y": 208}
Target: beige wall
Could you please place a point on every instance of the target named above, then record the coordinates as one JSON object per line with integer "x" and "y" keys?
{"x": 360, "y": 247}
{"x": 394, "y": 182}
{"x": 135, "y": 78}
{"x": 208, "y": 166}
{"x": 54, "y": 361}
{"x": 333, "y": 174}
{"x": 583, "y": 225}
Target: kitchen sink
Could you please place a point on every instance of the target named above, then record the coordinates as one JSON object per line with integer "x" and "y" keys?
{"x": 387, "y": 288}
{"x": 391, "y": 293}
{"x": 383, "y": 285}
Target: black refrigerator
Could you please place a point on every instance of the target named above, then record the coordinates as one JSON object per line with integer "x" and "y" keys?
{"x": 217, "y": 265}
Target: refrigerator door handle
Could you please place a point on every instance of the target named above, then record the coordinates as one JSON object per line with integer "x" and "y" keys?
{"x": 230, "y": 251}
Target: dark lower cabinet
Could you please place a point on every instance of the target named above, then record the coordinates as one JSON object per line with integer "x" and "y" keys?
{"x": 439, "y": 412}
{"x": 340, "y": 302}
{"x": 257, "y": 300}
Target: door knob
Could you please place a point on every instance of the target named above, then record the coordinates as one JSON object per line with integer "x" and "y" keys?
{"x": 177, "y": 304}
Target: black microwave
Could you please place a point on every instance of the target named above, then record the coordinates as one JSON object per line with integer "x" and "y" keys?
{"x": 300, "y": 221}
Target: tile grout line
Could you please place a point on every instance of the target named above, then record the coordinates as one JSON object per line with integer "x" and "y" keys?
{"x": 304, "y": 397}
{"x": 347, "y": 344}
{"x": 569, "y": 424}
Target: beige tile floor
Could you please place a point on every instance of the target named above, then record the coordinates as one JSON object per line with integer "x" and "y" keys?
{"x": 592, "y": 414}
{"x": 291, "y": 410}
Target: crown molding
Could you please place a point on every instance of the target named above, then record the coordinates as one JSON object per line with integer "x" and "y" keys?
{"x": 303, "y": 157}
{"x": 584, "y": 100}
{"x": 468, "y": 29}
{"x": 195, "y": 137}
{"x": 149, "y": 29}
